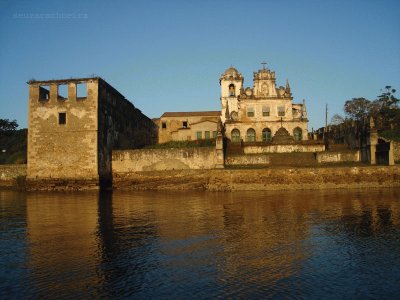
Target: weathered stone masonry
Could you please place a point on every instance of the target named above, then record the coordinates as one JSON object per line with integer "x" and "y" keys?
{"x": 71, "y": 136}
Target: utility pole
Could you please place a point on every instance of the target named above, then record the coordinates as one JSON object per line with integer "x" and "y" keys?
{"x": 326, "y": 128}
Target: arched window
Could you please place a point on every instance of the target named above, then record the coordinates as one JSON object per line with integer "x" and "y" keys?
{"x": 231, "y": 89}
{"x": 297, "y": 134}
{"x": 266, "y": 135}
{"x": 235, "y": 136}
{"x": 251, "y": 135}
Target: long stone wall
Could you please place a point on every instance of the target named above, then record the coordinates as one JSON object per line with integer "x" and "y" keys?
{"x": 250, "y": 149}
{"x": 337, "y": 157}
{"x": 261, "y": 179}
{"x": 163, "y": 159}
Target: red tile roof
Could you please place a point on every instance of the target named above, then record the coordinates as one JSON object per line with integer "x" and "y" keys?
{"x": 192, "y": 114}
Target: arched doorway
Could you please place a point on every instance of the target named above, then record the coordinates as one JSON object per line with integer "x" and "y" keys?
{"x": 266, "y": 135}
{"x": 235, "y": 136}
{"x": 297, "y": 134}
{"x": 251, "y": 135}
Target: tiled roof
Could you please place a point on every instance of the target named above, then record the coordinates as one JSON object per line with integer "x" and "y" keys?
{"x": 192, "y": 114}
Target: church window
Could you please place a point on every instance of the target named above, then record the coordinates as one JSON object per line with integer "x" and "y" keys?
{"x": 199, "y": 135}
{"x": 207, "y": 135}
{"x": 251, "y": 135}
{"x": 235, "y": 136}
{"x": 231, "y": 90}
{"x": 184, "y": 124}
{"x": 163, "y": 125}
{"x": 250, "y": 111}
{"x": 266, "y": 135}
{"x": 265, "y": 111}
{"x": 281, "y": 111}
{"x": 297, "y": 134}
{"x": 62, "y": 118}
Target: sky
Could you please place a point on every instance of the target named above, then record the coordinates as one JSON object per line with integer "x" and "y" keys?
{"x": 169, "y": 55}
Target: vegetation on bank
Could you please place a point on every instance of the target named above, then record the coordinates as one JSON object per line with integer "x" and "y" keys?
{"x": 184, "y": 144}
{"x": 13, "y": 143}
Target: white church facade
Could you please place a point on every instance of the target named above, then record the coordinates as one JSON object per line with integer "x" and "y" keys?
{"x": 262, "y": 113}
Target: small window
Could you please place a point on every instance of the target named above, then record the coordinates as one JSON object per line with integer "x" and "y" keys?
{"x": 81, "y": 90}
{"x": 199, "y": 135}
{"x": 163, "y": 125}
{"x": 214, "y": 134}
{"x": 62, "y": 118}
{"x": 265, "y": 111}
{"x": 207, "y": 135}
{"x": 44, "y": 93}
{"x": 231, "y": 90}
{"x": 185, "y": 124}
{"x": 250, "y": 111}
{"x": 62, "y": 92}
{"x": 281, "y": 111}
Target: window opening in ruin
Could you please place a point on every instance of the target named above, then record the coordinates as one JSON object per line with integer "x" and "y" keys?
{"x": 199, "y": 135}
{"x": 250, "y": 111}
{"x": 251, "y": 135}
{"x": 163, "y": 125}
{"x": 231, "y": 90}
{"x": 62, "y": 93}
{"x": 266, "y": 135}
{"x": 185, "y": 124}
{"x": 62, "y": 118}
{"x": 44, "y": 93}
{"x": 214, "y": 134}
{"x": 297, "y": 134}
{"x": 281, "y": 111}
{"x": 207, "y": 135}
{"x": 265, "y": 111}
{"x": 235, "y": 135}
{"x": 81, "y": 90}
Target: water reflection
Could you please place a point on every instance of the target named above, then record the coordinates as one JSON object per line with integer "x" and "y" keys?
{"x": 167, "y": 245}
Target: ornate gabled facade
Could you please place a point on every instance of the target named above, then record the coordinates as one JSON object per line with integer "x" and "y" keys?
{"x": 264, "y": 112}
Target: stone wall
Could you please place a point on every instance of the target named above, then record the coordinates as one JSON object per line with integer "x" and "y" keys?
{"x": 396, "y": 151}
{"x": 255, "y": 149}
{"x": 246, "y": 160}
{"x": 337, "y": 157}
{"x": 10, "y": 173}
{"x": 261, "y": 179}
{"x": 164, "y": 159}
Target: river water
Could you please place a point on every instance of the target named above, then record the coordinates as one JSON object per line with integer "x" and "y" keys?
{"x": 303, "y": 244}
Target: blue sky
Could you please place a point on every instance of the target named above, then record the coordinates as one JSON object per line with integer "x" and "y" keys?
{"x": 169, "y": 55}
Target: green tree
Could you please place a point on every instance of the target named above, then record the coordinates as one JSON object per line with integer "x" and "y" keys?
{"x": 385, "y": 109}
{"x": 7, "y": 126}
{"x": 357, "y": 108}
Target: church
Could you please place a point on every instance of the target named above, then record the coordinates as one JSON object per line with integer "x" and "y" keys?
{"x": 262, "y": 113}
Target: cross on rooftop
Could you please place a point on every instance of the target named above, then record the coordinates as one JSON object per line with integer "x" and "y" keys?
{"x": 263, "y": 63}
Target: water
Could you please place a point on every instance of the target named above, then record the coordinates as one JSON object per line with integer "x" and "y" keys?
{"x": 300, "y": 245}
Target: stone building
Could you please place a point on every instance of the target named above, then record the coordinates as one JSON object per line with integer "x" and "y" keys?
{"x": 264, "y": 112}
{"x": 73, "y": 125}
{"x": 186, "y": 126}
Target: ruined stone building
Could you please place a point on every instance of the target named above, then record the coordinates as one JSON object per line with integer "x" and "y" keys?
{"x": 73, "y": 125}
{"x": 263, "y": 113}
{"x": 260, "y": 113}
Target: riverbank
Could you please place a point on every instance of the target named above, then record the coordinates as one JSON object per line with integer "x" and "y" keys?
{"x": 263, "y": 179}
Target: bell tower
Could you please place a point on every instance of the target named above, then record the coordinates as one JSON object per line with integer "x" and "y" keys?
{"x": 231, "y": 82}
